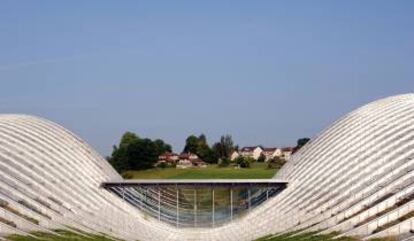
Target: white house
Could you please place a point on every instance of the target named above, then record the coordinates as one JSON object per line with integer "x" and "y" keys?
{"x": 188, "y": 156}
{"x": 251, "y": 152}
{"x": 287, "y": 153}
{"x": 234, "y": 155}
{"x": 272, "y": 152}
{"x": 184, "y": 163}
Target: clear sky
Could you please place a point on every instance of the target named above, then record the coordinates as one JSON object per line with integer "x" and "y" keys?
{"x": 266, "y": 72}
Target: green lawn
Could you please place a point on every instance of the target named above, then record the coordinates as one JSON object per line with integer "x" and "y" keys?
{"x": 257, "y": 170}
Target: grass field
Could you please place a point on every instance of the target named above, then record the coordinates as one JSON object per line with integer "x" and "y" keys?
{"x": 257, "y": 170}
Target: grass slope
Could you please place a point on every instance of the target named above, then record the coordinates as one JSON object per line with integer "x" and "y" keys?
{"x": 257, "y": 170}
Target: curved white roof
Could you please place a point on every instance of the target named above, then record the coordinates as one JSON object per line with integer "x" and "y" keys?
{"x": 356, "y": 177}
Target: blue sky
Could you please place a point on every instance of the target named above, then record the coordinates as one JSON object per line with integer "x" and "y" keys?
{"x": 266, "y": 72}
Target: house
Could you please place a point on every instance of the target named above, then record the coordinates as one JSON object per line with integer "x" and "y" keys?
{"x": 189, "y": 160}
{"x": 271, "y": 153}
{"x": 169, "y": 158}
{"x": 234, "y": 155}
{"x": 251, "y": 152}
{"x": 287, "y": 152}
{"x": 199, "y": 163}
{"x": 187, "y": 156}
{"x": 184, "y": 163}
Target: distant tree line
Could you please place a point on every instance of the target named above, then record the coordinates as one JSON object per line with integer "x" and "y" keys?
{"x": 220, "y": 150}
{"x": 136, "y": 153}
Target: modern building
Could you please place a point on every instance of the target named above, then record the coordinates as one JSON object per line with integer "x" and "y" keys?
{"x": 356, "y": 178}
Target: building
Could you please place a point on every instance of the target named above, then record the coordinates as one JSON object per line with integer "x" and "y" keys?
{"x": 355, "y": 178}
{"x": 271, "y": 152}
{"x": 188, "y": 156}
{"x": 287, "y": 152}
{"x": 251, "y": 152}
{"x": 234, "y": 155}
{"x": 190, "y": 160}
{"x": 184, "y": 163}
{"x": 169, "y": 158}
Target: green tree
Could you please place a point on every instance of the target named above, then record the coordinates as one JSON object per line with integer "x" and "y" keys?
{"x": 208, "y": 155}
{"x": 204, "y": 151}
{"x": 198, "y": 145}
{"x": 262, "y": 158}
{"x": 142, "y": 154}
{"x": 162, "y": 147}
{"x": 276, "y": 163}
{"x": 243, "y": 162}
{"x": 191, "y": 144}
{"x": 127, "y": 139}
{"x": 134, "y": 153}
{"x": 224, "y": 147}
{"x": 300, "y": 143}
{"x": 119, "y": 159}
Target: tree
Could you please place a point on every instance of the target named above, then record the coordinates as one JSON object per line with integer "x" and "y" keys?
{"x": 202, "y": 139}
{"x": 300, "y": 143}
{"x": 208, "y": 155}
{"x": 224, "y": 148}
{"x": 276, "y": 163}
{"x": 243, "y": 162}
{"x": 142, "y": 154}
{"x": 262, "y": 158}
{"x": 199, "y": 146}
{"x": 162, "y": 147}
{"x": 127, "y": 139}
{"x": 119, "y": 159}
{"x": 204, "y": 151}
{"x": 134, "y": 153}
{"x": 303, "y": 141}
{"x": 191, "y": 144}
{"x": 223, "y": 162}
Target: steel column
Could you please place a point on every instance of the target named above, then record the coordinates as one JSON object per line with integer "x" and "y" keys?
{"x": 213, "y": 214}
{"x": 178, "y": 208}
{"x": 195, "y": 207}
{"x": 231, "y": 203}
{"x": 248, "y": 198}
{"x": 159, "y": 203}
{"x": 267, "y": 193}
